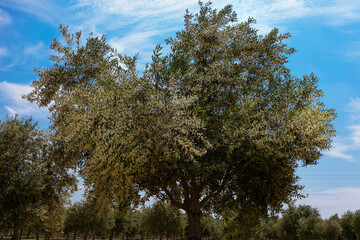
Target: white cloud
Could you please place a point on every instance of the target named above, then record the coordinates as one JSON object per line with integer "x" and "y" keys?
{"x": 3, "y": 52}
{"x": 353, "y": 51}
{"x": 4, "y": 17}
{"x": 344, "y": 146}
{"x": 354, "y": 106}
{"x": 47, "y": 11}
{"x": 355, "y": 135}
{"x": 279, "y": 13}
{"x": 147, "y": 18}
{"x": 267, "y": 12}
{"x": 34, "y": 49}
{"x": 133, "y": 42}
{"x": 135, "y": 10}
{"x": 30, "y": 52}
{"x": 335, "y": 200}
{"x": 338, "y": 150}
{"x": 11, "y": 94}
{"x": 354, "y": 109}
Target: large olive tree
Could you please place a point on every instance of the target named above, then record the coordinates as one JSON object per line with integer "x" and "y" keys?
{"x": 218, "y": 122}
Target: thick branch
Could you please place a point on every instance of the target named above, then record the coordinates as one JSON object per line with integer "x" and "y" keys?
{"x": 214, "y": 193}
{"x": 186, "y": 192}
{"x": 173, "y": 202}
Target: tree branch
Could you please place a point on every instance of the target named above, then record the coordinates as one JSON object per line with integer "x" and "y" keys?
{"x": 172, "y": 199}
{"x": 214, "y": 193}
{"x": 186, "y": 192}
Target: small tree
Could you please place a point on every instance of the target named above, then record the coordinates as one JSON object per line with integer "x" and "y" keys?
{"x": 309, "y": 228}
{"x": 119, "y": 223}
{"x": 331, "y": 228}
{"x": 161, "y": 219}
{"x": 346, "y": 225}
{"x": 132, "y": 224}
{"x": 298, "y": 222}
{"x": 211, "y": 228}
{"x": 269, "y": 229}
{"x": 355, "y": 224}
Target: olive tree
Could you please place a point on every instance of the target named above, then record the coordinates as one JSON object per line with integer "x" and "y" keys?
{"x": 31, "y": 188}
{"x": 161, "y": 219}
{"x": 218, "y": 122}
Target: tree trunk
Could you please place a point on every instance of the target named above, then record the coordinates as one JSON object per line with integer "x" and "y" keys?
{"x": 111, "y": 237}
{"x": 37, "y": 234}
{"x": 75, "y": 234}
{"x": 15, "y": 235}
{"x": 194, "y": 231}
{"x": 86, "y": 235}
{"x": 21, "y": 231}
{"x": 67, "y": 236}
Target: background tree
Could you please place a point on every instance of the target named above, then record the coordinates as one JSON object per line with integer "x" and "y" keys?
{"x": 355, "y": 224}
{"x": 21, "y": 144}
{"x": 211, "y": 228}
{"x": 309, "y": 227}
{"x": 31, "y": 187}
{"x": 347, "y": 230}
{"x": 48, "y": 221}
{"x": 119, "y": 223}
{"x": 331, "y": 228}
{"x": 89, "y": 219}
{"x": 219, "y": 122}
{"x": 71, "y": 224}
{"x": 298, "y": 222}
{"x": 239, "y": 226}
{"x": 132, "y": 224}
{"x": 161, "y": 220}
{"x": 269, "y": 229}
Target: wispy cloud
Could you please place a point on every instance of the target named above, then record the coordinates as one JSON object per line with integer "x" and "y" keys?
{"x": 136, "y": 22}
{"x": 21, "y": 56}
{"x": 279, "y": 13}
{"x": 345, "y": 145}
{"x": 133, "y": 11}
{"x": 3, "y": 51}
{"x": 48, "y": 11}
{"x": 340, "y": 150}
{"x": 34, "y": 49}
{"x": 352, "y": 52}
{"x": 133, "y": 42}
{"x": 267, "y": 12}
{"x": 38, "y": 51}
{"x": 11, "y": 94}
{"x": 4, "y": 17}
{"x": 335, "y": 200}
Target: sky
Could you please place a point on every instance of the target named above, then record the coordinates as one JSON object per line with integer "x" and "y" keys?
{"x": 325, "y": 33}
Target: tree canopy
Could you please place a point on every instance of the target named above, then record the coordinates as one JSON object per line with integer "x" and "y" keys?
{"x": 218, "y": 122}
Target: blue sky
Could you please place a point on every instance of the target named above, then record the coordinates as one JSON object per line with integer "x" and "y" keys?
{"x": 325, "y": 33}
